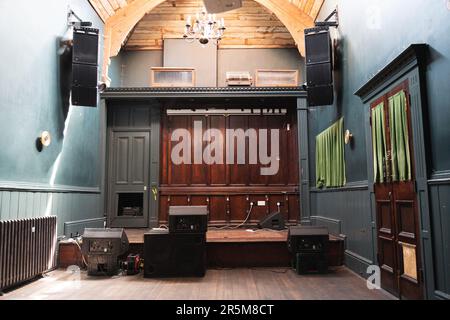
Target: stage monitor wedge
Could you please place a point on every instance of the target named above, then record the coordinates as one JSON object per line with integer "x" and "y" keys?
{"x": 85, "y": 67}
{"x": 319, "y": 66}
{"x": 219, "y": 6}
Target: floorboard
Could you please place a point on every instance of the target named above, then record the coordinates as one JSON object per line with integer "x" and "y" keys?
{"x": 223, "y": 284}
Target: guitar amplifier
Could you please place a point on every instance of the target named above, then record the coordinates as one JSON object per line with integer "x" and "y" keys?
{"x": 189, "y": 219}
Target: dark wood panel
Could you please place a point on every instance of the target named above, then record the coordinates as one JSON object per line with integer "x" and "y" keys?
{"x": 230, "y": 187}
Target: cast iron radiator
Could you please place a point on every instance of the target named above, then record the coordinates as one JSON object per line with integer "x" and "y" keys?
{"x": 27, "y": 249}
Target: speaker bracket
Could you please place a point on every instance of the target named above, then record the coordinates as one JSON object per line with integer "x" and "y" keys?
{"x": 327, "y": 23}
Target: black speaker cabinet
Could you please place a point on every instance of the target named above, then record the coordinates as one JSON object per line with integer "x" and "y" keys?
{"x": 189, "y": 251}
{"x": 188, "y": 219}
{"x": 318, "y": 46}
{"x": 157, "y": 254}
{"x": 319, "y": 66}
{"x": 85, "y": 67}
{"x": 174, "y": 255}
{"x": 309, "y": 246}
{"x": 320, "y": 95}
{"x": 85, "y": 46}
{"x": 306, "y": 263}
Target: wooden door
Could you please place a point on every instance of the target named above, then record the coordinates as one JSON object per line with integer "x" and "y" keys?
{"x": 128, "y": 202}
{"x": 396, "y": 206}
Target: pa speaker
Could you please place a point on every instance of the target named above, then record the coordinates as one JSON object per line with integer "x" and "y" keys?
{"x": 319, "y": 66}
{"x": 174, "y": 255}
{"x": 320, "y": 95}
{"x": 318, "y": 46}
{"x": 319, "y": 74}
{"x": 85, "y": 46}
{"x": 85, "y": 67}
{"x": 158, "y": 261}
{"x": 189, "y": 251}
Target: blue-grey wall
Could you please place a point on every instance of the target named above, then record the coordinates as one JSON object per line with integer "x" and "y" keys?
{"x": 371, "y": 34}
{"x": 31, "y": 102}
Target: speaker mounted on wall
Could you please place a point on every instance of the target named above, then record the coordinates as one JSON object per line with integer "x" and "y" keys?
{"x": 319, "y": 66}
{"x": 85, "y": 67}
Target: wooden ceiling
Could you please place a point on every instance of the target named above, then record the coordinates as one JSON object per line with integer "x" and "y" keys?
{"x": 107, "y": 8}
{"x": 251, "y": 26}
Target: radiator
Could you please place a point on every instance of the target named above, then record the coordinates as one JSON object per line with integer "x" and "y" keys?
{"x": 27, "y": 249}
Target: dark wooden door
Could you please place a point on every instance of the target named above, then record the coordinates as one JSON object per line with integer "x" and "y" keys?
{"x": 397, "y": 213}
{"x": 128, "y": 202}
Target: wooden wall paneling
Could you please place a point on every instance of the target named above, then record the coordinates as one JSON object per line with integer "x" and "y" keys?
{"x": 218, "y": 172}
{"x": 255, "y": 177}
{"x": 199, "y": 172}
{"x": 164, "y": 147}
{"x": 239, "y": 174}
{"x": 218, "y": 208}
{"x": 259, "y": 212}
{"x": 294, "y": 208}
{"x": 239, "y": 206}
{"x": 164, "y": 202}
{"x": 178, "y": 174}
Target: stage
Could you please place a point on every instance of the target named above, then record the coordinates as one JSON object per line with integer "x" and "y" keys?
{"x": 241, "y": 248}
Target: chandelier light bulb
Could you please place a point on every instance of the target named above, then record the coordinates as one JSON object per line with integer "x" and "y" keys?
{"x": 204, "y": 28}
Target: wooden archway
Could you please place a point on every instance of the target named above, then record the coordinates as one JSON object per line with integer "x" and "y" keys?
{"x": 119, "y": 25}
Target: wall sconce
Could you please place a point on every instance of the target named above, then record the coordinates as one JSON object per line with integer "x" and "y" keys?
{"x": 348, "y": 137}
{"x": 44, "y": 140}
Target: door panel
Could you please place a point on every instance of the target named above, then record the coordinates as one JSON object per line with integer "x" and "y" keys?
{"x": 128, "y": 196}
{"x": 397, "y": 218}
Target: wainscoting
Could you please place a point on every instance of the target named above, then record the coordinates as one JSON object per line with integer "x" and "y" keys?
{"x": 439, "y": 189}
{"x": 346, "y": 212}
{"x": 75, "y": 210}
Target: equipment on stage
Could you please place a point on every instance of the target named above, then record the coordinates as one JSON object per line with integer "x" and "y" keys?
{"x": 274, "y": 221}
{"x": 189, "y": 219}
{"x": 132, "y": 265}
{"x": 181, "y": 250}
{"x": 174, "y": 255}
{"x": 102, "y": 247}
{"x": 309, "y": 245}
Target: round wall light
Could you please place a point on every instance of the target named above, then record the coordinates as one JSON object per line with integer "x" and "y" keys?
{"x": 348, "y": 136}
{"x": 45, "y": 139}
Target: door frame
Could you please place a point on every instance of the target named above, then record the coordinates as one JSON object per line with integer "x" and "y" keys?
{"x": 154, "y": 131}
{"x": 111, "y": 197}
{"x": 409, "y": 66}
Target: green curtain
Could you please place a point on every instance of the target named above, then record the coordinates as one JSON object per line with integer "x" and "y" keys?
{"x": 379, "y": 143}
{"x": 330, "y": 162}
{"x": 398, "y": 119}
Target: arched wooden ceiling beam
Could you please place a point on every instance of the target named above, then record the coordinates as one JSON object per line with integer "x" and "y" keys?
{"x": 118, "y": 26}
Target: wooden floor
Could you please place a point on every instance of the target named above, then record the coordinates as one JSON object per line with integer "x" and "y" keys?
{"x": 233, "y": 284}
{"x": 136, "y": 236}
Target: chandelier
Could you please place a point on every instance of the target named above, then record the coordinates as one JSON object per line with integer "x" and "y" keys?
{"x": 204, "y": 28}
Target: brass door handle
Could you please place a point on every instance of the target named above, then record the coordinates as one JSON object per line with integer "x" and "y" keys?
{"x": 155, "y": 192}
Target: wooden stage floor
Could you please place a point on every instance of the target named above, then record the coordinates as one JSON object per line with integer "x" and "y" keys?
{"x": 218, "y": 284}
{"x": 136, "y": 236}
